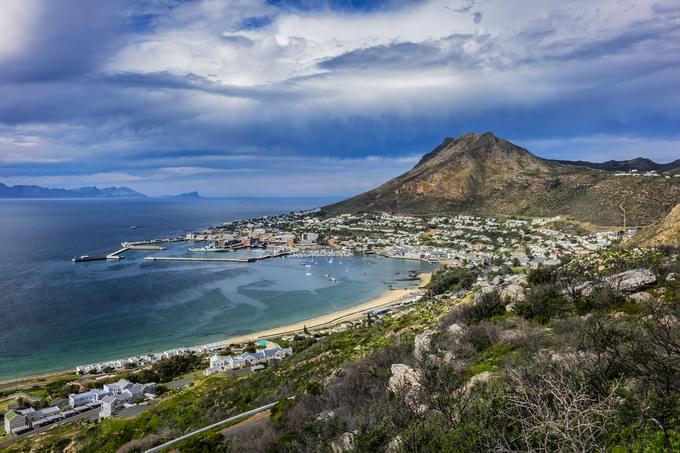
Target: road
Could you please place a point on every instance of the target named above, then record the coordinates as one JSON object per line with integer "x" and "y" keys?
{"x": 249, "y": 413}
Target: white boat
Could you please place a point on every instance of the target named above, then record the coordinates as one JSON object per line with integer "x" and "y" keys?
{"x": 332, "y": 279}
{"x": 210, "y": 248}
{"x": 308, "y": 274}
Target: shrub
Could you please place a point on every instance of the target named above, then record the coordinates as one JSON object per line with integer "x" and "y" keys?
{"x": 485, "y": 306}
{"x": 542, "y": 304}
{"x": 450, "y": 279}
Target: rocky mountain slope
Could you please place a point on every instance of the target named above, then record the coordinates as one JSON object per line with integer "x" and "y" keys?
{"x": 664, "y": 232}
{"x": 485, "y": 174}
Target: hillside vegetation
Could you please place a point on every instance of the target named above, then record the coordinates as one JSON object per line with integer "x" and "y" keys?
{"x": 577, "y": 358}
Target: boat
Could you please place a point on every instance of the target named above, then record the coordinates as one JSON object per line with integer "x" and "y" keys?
{"x": 332, "y": 279}
{"x": 308, "y": 274}
{"x": 133, "y": 227}
{"x": 210, "y": 248}
{"x": 84, "y": 258}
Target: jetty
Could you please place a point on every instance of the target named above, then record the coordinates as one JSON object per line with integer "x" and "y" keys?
{"x": 251, "y": 259}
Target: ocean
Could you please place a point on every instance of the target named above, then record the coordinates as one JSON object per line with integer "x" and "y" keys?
{"x": 55, "y": 314}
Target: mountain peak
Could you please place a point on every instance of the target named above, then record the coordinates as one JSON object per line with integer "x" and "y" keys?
{"x": 487, "y": 174}
{"x": 474, "y": 146}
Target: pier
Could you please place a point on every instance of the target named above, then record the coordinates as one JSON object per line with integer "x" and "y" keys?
{"x": 217, "y": 260}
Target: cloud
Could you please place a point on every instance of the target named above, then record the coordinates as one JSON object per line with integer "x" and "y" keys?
{"x": 144, "y": 87}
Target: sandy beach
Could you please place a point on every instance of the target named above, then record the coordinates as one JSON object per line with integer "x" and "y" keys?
{"x": 387, "y": 299}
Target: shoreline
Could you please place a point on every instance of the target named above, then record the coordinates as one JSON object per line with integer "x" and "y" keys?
{"x": 386, "y": 299}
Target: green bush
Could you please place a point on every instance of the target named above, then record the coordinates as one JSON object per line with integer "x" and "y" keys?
{"x": 543, "y": 302}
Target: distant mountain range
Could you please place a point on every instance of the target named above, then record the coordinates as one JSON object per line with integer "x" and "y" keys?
{"x": 639, "y": 163}
{"x": 487, "y": 175}
{"x": 82, "y": 192}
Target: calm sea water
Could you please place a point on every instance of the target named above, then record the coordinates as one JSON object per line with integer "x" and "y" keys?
{"x": 55, "y": 314}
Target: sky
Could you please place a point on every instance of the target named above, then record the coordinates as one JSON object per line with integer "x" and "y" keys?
{"x": 323, "y": 98}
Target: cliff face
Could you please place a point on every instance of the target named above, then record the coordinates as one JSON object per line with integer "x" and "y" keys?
{"x": 485, "y": 174}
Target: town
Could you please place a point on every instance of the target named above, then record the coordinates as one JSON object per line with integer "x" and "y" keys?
{"x": 495, "y": 249}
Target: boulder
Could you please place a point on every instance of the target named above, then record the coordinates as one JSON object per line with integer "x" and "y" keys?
{"x": 477, "y": 378}
{"x": 422, "y": 344}
{"x": 344, "y": 443}
{"x": 671, "y": 277}
{"x": 403, "y": 377}
{"x": 631, "y": 281}
{"x": 624, "y": 282}
{"x": 456, "y": 330}
{"x": 405, "y": 381}
{"x": 618, "y": 315}
{"x": 641, "y": 297}
{"x": 513, "y": 293}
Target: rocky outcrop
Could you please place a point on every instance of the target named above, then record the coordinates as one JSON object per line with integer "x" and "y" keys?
{"x": 405, "y": 381}
{"x": 422, "y": 345}
{"x": 623, "y": 283}
{"x": 513, "y": 293}
{"x": 631, "y": 281}
{"x": 344, "y": 443}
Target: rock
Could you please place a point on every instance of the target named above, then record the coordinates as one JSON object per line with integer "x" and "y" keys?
{"x": 618, "y": 315}
{"x": 405, "y": 381}
{"x": 477, "y": 378}
{"x": 509, "y": 308}
{"x": 394, "y": 446}
{"x": 669, "y": 320}
{"x": 422, "y": 344}
{"x": 641, "y": 297}
{"x": 671, "y": 277}
{"x": 624, "y": 282}
{"x": 456, "y": 330}
{"x": 631, "y": 281}
{"x": 587, "y": 317}
{"x": 497, "y": 280}
{"x": 403, "y": 377}
{"x": 513, "y": 293}
{"x": 345, "y": 443}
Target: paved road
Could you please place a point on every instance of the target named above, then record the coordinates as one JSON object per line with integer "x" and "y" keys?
{"x": 249, "y": 413}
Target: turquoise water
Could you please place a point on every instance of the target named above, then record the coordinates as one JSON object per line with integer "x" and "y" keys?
{"x": 56, "y": 314}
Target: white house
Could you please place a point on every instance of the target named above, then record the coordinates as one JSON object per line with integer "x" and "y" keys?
{"x": 117, "y": 388}
{"x": 112, "y": 404}
{"x": 272, "y": 351}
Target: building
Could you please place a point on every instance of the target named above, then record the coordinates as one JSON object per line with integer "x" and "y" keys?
{"x": 117, "y": 388}
{"x": 18, "y": 420}
{"x": 309, "y": 238}
{"x": 82, "y": 399}
{"x": 112, "y": 404}
{"x": 271, "y": 352}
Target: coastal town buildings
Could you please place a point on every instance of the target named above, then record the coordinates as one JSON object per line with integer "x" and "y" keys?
{"x": 271, "y": 351}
